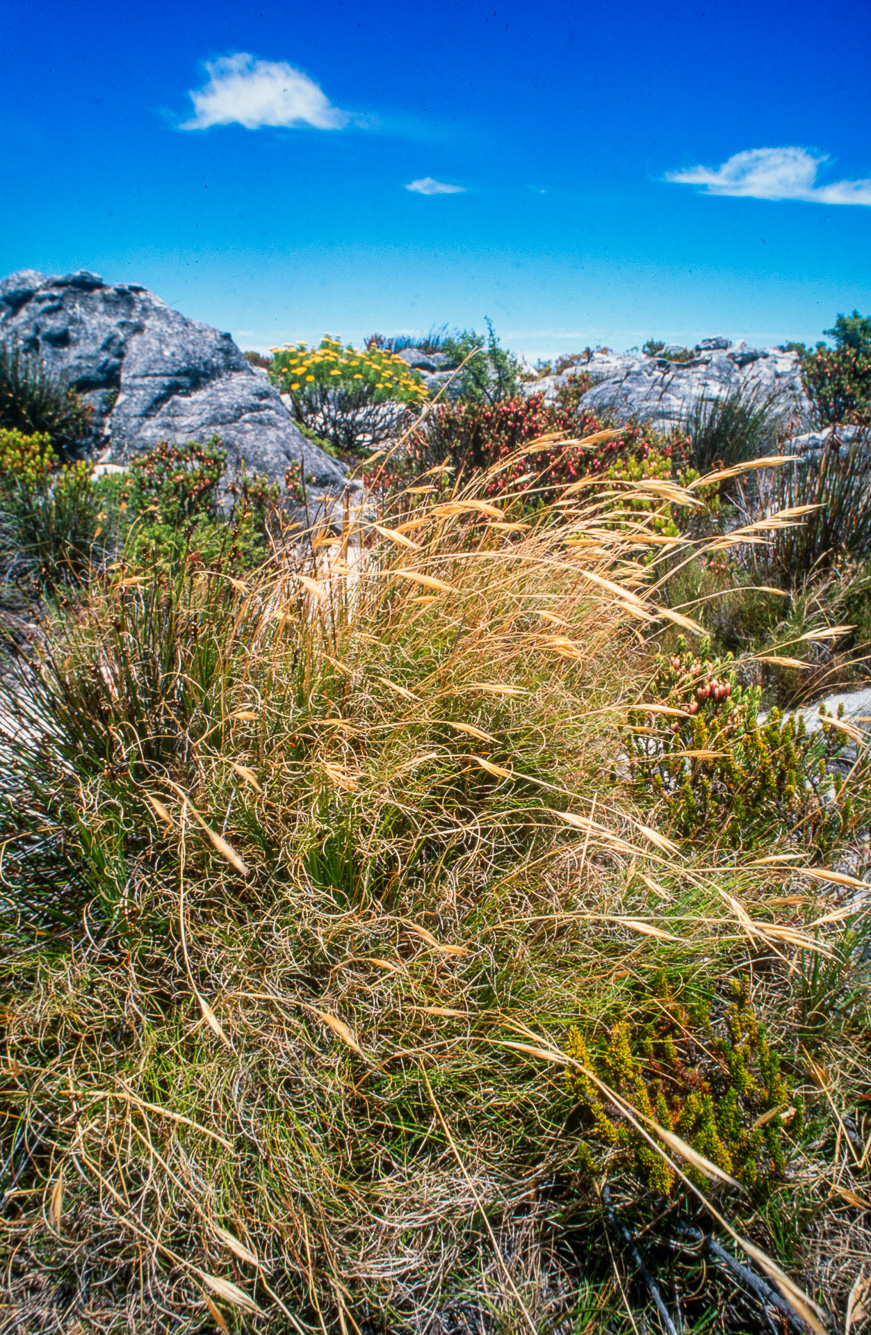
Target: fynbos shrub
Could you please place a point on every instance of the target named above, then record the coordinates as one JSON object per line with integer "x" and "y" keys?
{"x": 718, "y": 773}
{"x": 353, "y": 399}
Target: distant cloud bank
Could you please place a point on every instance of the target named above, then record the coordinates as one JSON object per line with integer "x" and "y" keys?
{"x": 427, "y": 186}
{"x": 255, "y": 93}
{"x": 774, "y": 173}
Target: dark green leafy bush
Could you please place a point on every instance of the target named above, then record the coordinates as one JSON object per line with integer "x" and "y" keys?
{"x": 491, "y": 374}
{"x": 838, "y": 380}
{"x": 32, "y": 400}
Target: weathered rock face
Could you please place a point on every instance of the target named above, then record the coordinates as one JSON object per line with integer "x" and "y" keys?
{"x": 664, "y": 392}
{"x": 150, "y": 374}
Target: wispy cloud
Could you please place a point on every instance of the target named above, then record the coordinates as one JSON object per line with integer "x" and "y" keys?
{"x": 254, "y": 93}
{"x": 427, "y": 186}
{"x": 774, "y": 173}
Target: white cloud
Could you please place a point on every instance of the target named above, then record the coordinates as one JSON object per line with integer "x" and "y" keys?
{"x": 427, "y": 186}
{"x": 774, "y": 173}
{"x": 254, "y": 93}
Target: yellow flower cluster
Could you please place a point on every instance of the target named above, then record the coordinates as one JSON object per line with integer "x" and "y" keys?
{"x": 374, "y": 375}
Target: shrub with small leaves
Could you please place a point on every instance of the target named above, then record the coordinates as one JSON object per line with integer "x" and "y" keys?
{"x": 353, "y": 399}
{"x": 26, "y": 461}
{"x": 171, "y": 506}
{"x": 53, "y": 515}
{"x": 838, "y": 380}
{"x": 713, "y": 1079}
{"x": 490, "y": 374}
{"x": 716, "y": 772}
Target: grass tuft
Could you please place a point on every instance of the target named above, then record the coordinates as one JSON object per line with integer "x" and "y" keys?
{"x": 309, "y": 878}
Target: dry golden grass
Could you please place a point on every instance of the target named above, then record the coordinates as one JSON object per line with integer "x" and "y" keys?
{"x": 308, "y": 877}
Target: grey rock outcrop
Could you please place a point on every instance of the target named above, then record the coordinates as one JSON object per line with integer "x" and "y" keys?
{"x": 150, "y": 374}
{"x": 428, "y": 363}
{"x": 664, "y": 392}
{"x": 840, "y": 440}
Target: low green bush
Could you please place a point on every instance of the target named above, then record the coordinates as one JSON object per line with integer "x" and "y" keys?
{"x": 169, "y": 506}
{"x": 698, "y": 1066}
{"x": 655, "y": 347}
{"x": 53, "y": 514}
{"x": 716, "y": 773}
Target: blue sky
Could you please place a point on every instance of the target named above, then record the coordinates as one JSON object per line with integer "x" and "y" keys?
{"x": 581, "y": 173}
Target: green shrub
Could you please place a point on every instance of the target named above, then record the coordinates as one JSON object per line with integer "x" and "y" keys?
{"x": 716, "y": 1083}
{"x": 34, "y": 401}
{"x": 717, "y": 773}
{"x": 53, "y": 513}
{"x": 490, "y": 375}
{"x": 654, "y": 347}
{"x": 169, "y": 506}
{"x": 348, "y": 397}
{"x": 838, "y": 380}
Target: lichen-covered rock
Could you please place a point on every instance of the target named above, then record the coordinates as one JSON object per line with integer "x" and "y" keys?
{"x": 665, "y": 392}
{"x": 150, "y": 374}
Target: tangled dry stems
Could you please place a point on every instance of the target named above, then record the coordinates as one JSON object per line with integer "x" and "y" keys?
{"x": 289, "y": 865}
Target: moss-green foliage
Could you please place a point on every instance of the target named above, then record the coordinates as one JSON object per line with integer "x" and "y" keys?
{"x": 345, "y": 395}
{"x": 838, "y": 380}
{"x": 34, "y": 401}
{"x": 706, "y": 1072}
{"x": 716, "y": 773}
